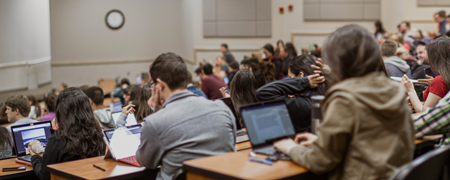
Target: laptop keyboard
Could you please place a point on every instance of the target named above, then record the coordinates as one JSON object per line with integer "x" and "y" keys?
{"x": 241, "y": 133}
{"x": 267, "y": 151}
{"x": 130, "y": 160}
{"x": 25, "y": 158}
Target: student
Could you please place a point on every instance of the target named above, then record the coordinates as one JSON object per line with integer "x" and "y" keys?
{"x": 417, "y": 71}
{"x": 296, "y": 91}
{"x": 78, "y": 134}
{"x": 191, "y": 87}
{"x": 35, "y": 109}
{"x": 233, "y": 68}
{"x": 242, "y": 91}
{"x": 17, "y": 110}
{"x": 366, "y": 131}
{"x": 124, "y": 83}
{"x": 184, "y": 126}
{"x": 63, "y": 86}
{"x": 144, "y": 109}
{"x": 226, "y": 53}
{"x": 380, "y": 33}
{"x": 395, "y": 66}
{"x": 96, "y": 98}
{"x": 434, "y": 120}
{"x": 288, "y": 55}
{"x": 6, "y": 144}
{"x": 211, "y": 83}
{"x": 439, "y": 17}
{"x": 439, "y": 57}
{"x": 275, "y": 58}
{"x": 50, "y": 106}
{"x": 3, "y": 116}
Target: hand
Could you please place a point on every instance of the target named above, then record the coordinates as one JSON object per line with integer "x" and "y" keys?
{"x": 224, "y": 93}
{"x": 128, "y": 109}
{"x": 283, "y": 144}
{"x": 321, "y": 66}
{"x": 155, "y": 101}
{"x": 426, "y": 81}
{"x": 32, "y": 151}
{"x": 407, "y": 84}
{"x": 305, "y": 139}
{"x": 315, "y": 80}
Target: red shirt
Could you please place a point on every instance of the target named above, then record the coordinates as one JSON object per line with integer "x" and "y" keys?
{"x": 437, "y": 86}
{"x": 211, "y": 85}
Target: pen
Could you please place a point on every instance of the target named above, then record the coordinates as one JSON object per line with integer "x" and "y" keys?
{"x": 98, "y": 167}
{"x": 260, "y": 161}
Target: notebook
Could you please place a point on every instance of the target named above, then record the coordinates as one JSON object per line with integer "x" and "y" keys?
{"x": 123, "y": 147}
{"x": 24, "y": 134}
{"x": 266, "y": 123}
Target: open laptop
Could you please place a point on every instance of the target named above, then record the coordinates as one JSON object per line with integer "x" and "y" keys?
{"x": 24, "y": 134}
{"x": 131, "y": 119}
{"x": 116, "y": 106}
{"x": 266, "y": 123}
{"x": 124, "y": 151}
{"x": 241, "y": 134}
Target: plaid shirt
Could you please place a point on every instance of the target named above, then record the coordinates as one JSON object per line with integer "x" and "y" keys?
{"x": 434, "y": 120}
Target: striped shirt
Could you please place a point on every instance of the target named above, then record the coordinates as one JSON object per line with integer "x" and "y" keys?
{"x": 435, "y": 120}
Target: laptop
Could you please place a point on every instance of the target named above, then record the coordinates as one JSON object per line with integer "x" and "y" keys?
{"x": 241, "y": 134}
{"x": 131, "y": 119}
{"x": 266, "y": 123}
{"x": 24, "y": 134}
{"x": 123, "y": 149}
{"x": 116, "y": 106}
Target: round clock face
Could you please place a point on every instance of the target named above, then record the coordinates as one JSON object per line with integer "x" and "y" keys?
{"x": 115, "y": 19}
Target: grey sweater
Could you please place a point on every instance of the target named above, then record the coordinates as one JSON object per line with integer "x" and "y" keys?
{"x": 187, "y": 127}
{"x": 396, "y": 66}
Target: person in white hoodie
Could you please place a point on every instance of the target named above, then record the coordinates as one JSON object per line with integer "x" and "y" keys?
{"x": 395, "y": 66}
{"x": 103, "y": 115}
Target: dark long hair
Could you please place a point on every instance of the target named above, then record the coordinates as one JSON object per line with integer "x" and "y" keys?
{"x": 258, "y": 70}
{"x": 5, "y": 138}
{"x": 439, "y": 57}
{"x": 144, "y": 110}
{"x": 242, "y": 90}
{"x": 351, "y": 51}
{"x": 303, "y": 64}
{"x": 134, "y": 91}
{"x": 37, "y": 108}
{"x": 290, "y": 48}
{"x": 77, "y": 128}
{"x": 379, "y": 27}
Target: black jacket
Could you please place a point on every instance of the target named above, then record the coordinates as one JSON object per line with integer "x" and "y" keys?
{"x": 54, "y": 153}
{"x": 417, "y": 71}
{"x": 299, "y": 106}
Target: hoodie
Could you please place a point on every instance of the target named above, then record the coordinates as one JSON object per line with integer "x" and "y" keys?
{"x": 396, "y": 66}
{"x": 105, "y": 118}
{"x": 366, "y": 132}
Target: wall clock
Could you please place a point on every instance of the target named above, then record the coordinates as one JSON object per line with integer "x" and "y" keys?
{"x": 115, "y": 19}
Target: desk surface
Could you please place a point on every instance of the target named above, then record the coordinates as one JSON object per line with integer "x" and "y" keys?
{"x": 243, "y": 146}
{"x": 14, "y": 174}
{"x": 83, "y": 169}
{"x": 237, "y": 166}
{"x": 6, "y": 125}
{"x": 428, "y": 138}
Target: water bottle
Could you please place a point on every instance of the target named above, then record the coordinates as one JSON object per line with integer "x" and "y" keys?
{"x": 316, "y": 113}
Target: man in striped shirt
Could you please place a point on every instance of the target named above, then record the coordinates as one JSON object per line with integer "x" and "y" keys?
{"x": 434, "y": 120}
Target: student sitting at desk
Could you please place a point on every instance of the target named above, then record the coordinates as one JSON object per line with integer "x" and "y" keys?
{"x": 184, "y": 126}
{"x": 295, "y": 91}
{"x": 366, "y": 131}
{"x": 50, "y": 106}
{"x": 17, "y": 110}
{"x": 96, "y": 98}
{"x": 144, "y": 109}
{"x": 78, "y": 134}
{"x": 434, "y": 120}
{"x": 6, "y": 143}
{"x": 439, "y": 57}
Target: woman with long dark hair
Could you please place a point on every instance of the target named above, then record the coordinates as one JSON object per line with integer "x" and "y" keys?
{"x": 77, "y": 136}
{"x": 35, "y": 110}
{"x": 289, "y": 54}
{"x": 275, "y": 58}
{"x": 439, "y": 57}
{"x": 6, "y": 143}
{"x": 380, "y": 33}
{"x": 144, "y": 109}
{"x": 242, "y": 90}
{"x": 296, "y": 91}
{"x": 366, "y": 131}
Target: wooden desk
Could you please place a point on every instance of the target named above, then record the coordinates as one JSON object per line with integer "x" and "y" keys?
{"x": 27, "y": 174}
{"x": 243, "y": 146}
{"x": 83, "y": 169}
{"x": 107, "y": 85}
{"x": 236, "y": 165}
{"x": 6, "y": 125}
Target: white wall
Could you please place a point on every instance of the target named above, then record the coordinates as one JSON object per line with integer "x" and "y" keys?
{"x": 24, "y": 38}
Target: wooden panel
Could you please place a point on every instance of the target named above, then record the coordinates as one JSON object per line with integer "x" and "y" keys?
{"x": 12, "y": 163}
{"x": 107, "y": 85}
{"x": 243, "y": 146}
{"x": 372, "y": 11}
{"x": 236, "y": 10}
{"x": 311, "y": 12}
{"x": 210, "y": 28}
{"x": 196, "y": 176}
{"x": 263, "y": 9}
{"x": 209, "y": 10}
{"x": 340, "y": 12}
{"x": 263, "y": 28}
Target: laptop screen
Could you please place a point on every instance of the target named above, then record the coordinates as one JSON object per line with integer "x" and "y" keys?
{"x": 135, "y": 129}
{"x": 229, "y": 103}
{"x": 131, "y": 119}
{"x": 116, "y": 106}
{"x": 23, "y": 135}
{"x": 267, "y": 121}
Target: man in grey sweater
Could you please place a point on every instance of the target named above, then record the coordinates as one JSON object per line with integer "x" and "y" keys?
{"x": 395, "y": 66}
{"x": 184, "y": 126}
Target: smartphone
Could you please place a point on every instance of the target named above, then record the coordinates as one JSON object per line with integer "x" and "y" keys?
{"x": 429, "y": 72}
{"x": 21, "y": 168}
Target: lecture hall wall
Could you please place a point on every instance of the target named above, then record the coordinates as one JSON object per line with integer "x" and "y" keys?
{"x": 83, "y": 50}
